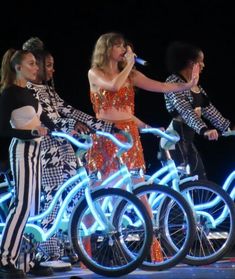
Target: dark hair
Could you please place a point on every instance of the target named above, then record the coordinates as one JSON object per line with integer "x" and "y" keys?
{"x": 36, "y": 46}
{"x": 10, "y": 59}
{"x": 179, "y": 54}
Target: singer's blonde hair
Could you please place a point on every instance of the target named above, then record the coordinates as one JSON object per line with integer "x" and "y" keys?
{"x": 102, "y": 50}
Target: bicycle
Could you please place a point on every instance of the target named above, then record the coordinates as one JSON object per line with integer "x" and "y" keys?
{"x": 103, "y": 223}
{"x": 228, "y": 185}
{"x": 214, "y": 211}
{"x": 179, "y": 221}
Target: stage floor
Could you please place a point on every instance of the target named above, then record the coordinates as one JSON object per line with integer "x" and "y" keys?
{"x": 223, "y": 269}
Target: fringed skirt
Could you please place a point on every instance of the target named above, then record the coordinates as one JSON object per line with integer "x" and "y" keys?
{"x": 102, "y": 157}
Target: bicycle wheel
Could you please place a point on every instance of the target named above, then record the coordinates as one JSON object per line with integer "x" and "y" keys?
{"x": 215, "y": 214}
{"x": 103, "y": 250}
{"x": 172, "y": 221}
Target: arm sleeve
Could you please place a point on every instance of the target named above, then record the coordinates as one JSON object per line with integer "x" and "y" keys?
{"x": 73, "y": 115}
{"x": 211, "y": 114}
{"x": 48, "y": 122}
{"x": 8, "y": 132}
{"x": 215, "y": 118}
{"x": 186, "y": 111}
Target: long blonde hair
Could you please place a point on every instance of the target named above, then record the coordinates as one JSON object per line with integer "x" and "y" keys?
{"x": 102, "y": 50}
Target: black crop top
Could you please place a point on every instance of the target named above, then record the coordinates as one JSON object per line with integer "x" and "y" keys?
{"x": 199, "y": 100}
{"x": 14, "y": 102}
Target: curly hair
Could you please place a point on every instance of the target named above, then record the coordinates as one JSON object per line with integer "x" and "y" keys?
{"x": 33, "y": 44}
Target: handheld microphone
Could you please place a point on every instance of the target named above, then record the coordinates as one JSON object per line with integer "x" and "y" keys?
{"x": 141, "y": 61}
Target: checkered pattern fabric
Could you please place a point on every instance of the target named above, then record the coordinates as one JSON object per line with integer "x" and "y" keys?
{"x": 180, "y": 104}
{"x": 63, "y": 114}
{"x": 59, "y": 162}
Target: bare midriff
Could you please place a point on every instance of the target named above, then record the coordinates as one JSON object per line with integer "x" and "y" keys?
{"x": 118, "y": 108}
{"x": 114, "y": 106}
{"x": 113, "y": 114}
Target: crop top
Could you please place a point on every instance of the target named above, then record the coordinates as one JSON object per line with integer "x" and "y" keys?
{"x": 23, "y": 116}
{"x": 104, "y": 100}
{"x": 18, "y": 107}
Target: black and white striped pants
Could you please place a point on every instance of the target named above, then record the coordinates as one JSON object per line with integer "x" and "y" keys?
{"x": 26, "y": 169}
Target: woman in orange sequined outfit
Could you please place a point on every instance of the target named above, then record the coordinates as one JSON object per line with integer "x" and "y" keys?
{"x": 100, "y": 156}
{"x": 112, "y": 79}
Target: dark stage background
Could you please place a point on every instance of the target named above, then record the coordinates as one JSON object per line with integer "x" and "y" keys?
{"x": 70, "y": 29}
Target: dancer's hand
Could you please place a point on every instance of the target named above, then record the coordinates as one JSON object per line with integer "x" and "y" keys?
{"x": 81, "y": 128}
{"x": 211, "y": 134}
{"x": 40, "y": 131}
{"x": 195, "y": 74}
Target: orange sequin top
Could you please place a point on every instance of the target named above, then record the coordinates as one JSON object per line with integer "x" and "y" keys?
{"x": 101, "y": 155}
{"x": 123, "y": 98}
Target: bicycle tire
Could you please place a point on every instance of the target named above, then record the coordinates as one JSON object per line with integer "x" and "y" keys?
{"x": 213, "y": 240}
{"x": 173, "y": 214}
{"x": 108, "y": 256}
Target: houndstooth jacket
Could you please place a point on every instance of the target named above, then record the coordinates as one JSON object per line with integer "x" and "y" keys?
{"x": 180, "y": 105}
{"x": 62, "y": 114}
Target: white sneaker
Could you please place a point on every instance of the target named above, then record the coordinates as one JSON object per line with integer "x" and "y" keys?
{"x": 57, "y": 265}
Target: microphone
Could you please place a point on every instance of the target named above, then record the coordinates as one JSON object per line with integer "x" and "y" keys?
{"x": 141, "y": 61}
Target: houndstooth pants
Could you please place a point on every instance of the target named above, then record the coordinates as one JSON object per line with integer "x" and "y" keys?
{"x": 59, "y": 163}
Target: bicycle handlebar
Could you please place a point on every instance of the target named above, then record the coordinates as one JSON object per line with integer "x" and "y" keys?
{"x": 160, "y": 133}
{"x": 228, "y": 133}
{"x": 125, "y": 146}
{"x": 75, "y": 139}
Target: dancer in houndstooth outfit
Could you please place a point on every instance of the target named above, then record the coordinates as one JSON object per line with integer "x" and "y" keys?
{"x": 58, "y": 157}
{"x": 190, "y": 108}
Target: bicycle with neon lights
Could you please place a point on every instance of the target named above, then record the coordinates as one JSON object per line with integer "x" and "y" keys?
{"x": 178, "y": 220}
{"x": 229, "y": 183}
{"x": 102, "y": 227}
{"x": 213, "y": 208}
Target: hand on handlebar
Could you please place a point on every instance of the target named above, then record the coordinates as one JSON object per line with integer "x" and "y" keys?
{"x": 40, "y": 131}
{"x": 211, "y": 134}
{"x": 76, "y": 135}
{"x": 81, "y": 128}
